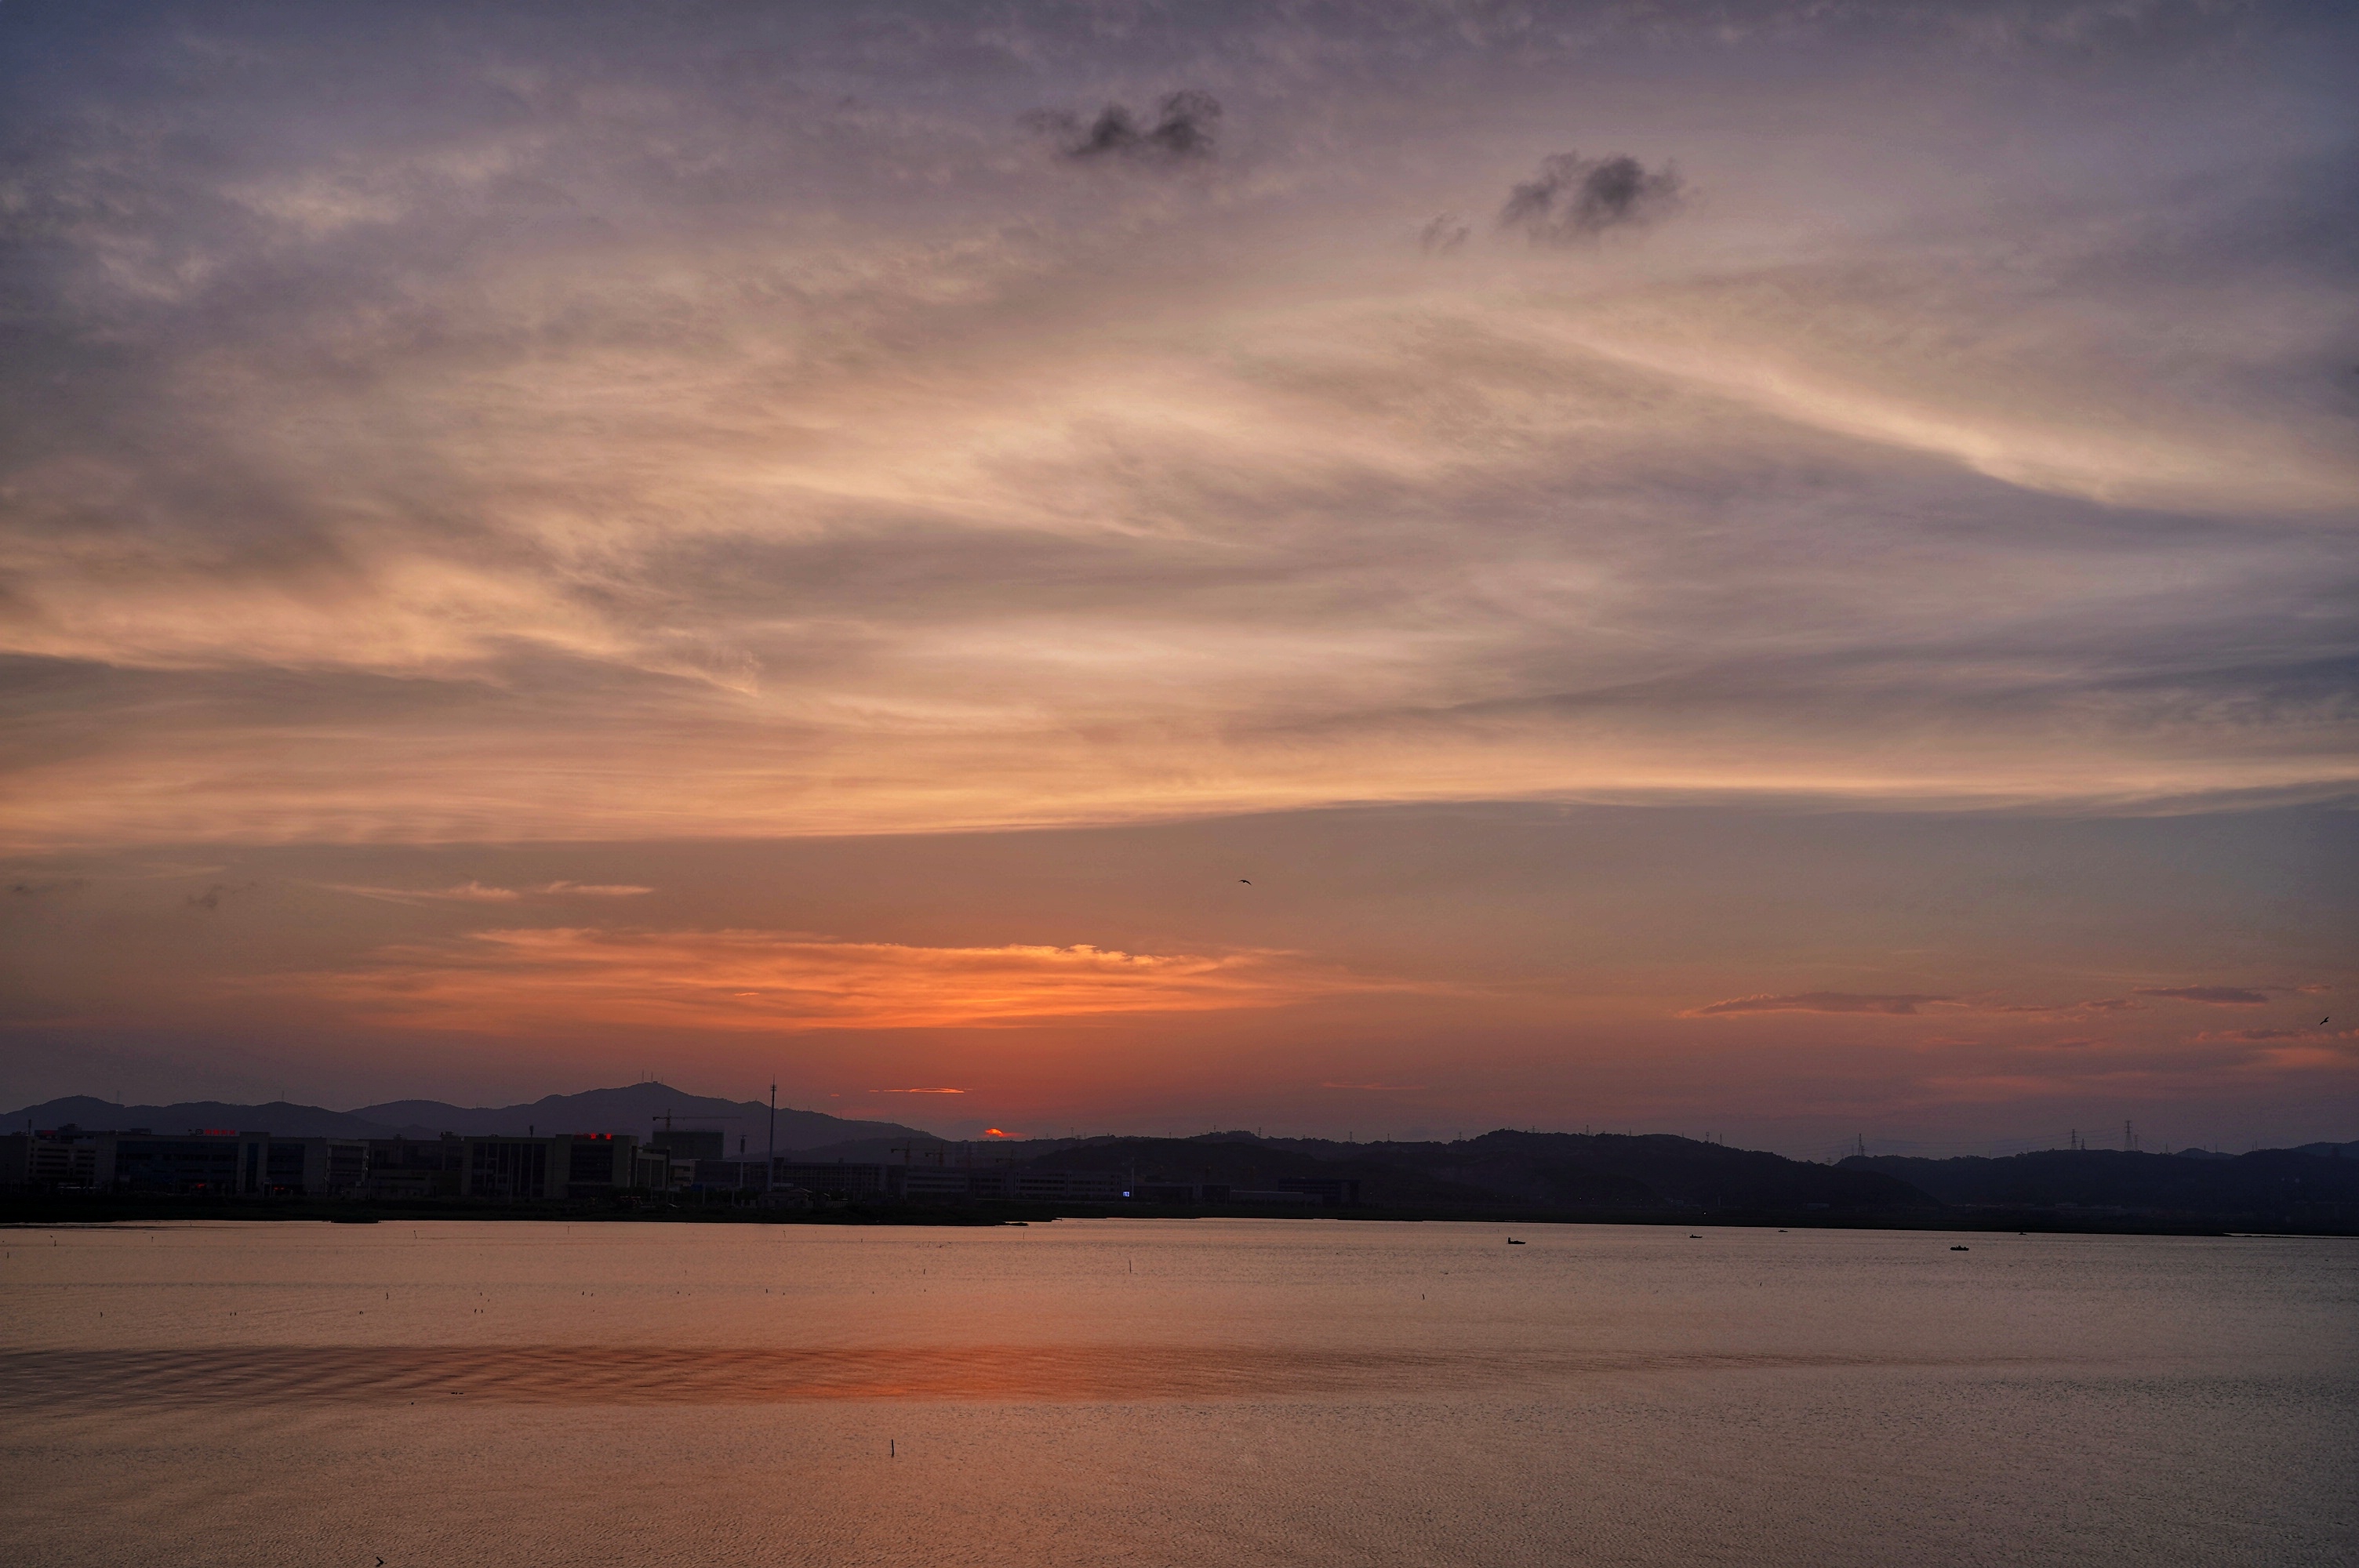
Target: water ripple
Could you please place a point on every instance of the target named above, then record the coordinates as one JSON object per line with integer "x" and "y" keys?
{"x": 558, "y": 1374}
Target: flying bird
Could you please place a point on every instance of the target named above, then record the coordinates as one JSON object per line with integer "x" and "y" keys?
{"x": 2327, "y": 1020}
{"x": 1247, "y": 880}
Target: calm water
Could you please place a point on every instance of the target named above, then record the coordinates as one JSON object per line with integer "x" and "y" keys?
{"x": 1175, "y": 1392}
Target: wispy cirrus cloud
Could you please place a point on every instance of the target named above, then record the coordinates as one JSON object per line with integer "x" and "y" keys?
{"x": 1903, "y": 1005}
{"x": 2292, "y": 1050}
{"x": 528, "y": 979}
{"x": 2213, "y": 995}
{"x": 1908, "y": 1004}
{"x": 472, "y": 892}
{"x": 469, "y": 892}
{"x": 1037, "y": 496}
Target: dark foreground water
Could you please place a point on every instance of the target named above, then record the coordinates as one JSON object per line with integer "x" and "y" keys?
{"x": 1174, "y": 1392}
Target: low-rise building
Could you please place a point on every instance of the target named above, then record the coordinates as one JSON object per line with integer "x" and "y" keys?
{"x": 838, "y": 1178}
{"x": 651, "y": 1169}
{"x": 692, "y": 1143}
{"x": 48, "y": 1160}
{"x": 416, "y": 1167}
{"x": 955, "y": 1181}
{"x": 562, "y": 1165}
{"x": 1335, "y": 1192}
{"x": 1069, "y": 1186}
{"x": 729, "y": 1175}
{"x": 228, "y": 1164}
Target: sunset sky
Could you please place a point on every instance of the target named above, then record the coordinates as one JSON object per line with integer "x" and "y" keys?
{"x": 1782, "y": 570}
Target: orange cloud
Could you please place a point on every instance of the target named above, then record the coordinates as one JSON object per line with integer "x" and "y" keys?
{"x": 2333, "y": 1052}
{"x": 469, "y": 892}
{"x": 472, "y": 892}
{"x": 524, "y": 980}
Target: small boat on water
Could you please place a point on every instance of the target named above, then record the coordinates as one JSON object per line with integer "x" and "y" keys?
{"x": 1960, "y": 1248}
{"x": 1512, "y": 1242}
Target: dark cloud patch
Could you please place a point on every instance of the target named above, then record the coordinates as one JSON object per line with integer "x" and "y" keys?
{"x": 1444, "y": 234}
{"x": 1903, "y": 1005}
{"x": 209, "y": 899}
{"x": 1186, "y": 126}
{"x": 2217, "y": 996}
{"x": 1574, "y": 198}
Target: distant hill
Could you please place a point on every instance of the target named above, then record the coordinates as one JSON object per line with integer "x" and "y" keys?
{"x": 1557, "y": 1171}
{"x": 281, "y": 1117}
{"x": 1241, "y": 1160}
{"x": 1565, "y": 1168}
{"x": 632, "y": 1108}
{"x": 2272, "y": 1186}
{"x": 1544, "y": 1170}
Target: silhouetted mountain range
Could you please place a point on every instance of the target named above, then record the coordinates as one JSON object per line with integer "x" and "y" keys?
{"x": 1518, "y": 1170}
{"x": 2271, "y": 1186}
{"x": 2317, "y": 1186}
{"x": 1529, "y": 1170}
{"x": 632, "y": 1108}
{"x": 2318, "y": 1183}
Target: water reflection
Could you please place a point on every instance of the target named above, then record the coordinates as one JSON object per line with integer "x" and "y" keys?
{"x": 566, "y": 1374}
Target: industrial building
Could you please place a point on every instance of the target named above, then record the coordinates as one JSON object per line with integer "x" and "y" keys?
{"x": 48, "y": 1162}
{"x": 220, "y": 1162}
{"x": 208, "y": 1161}
{"x": 560, "y": 1165}
{"x": 940, "y": 1183}
{"x": 574, "y": 1166}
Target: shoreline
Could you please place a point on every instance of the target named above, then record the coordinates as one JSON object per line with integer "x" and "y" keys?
{"x": 77, "y": 1211}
